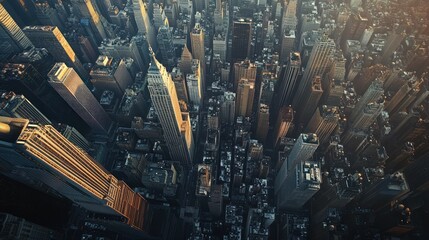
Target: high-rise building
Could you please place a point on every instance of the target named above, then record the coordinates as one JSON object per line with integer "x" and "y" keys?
{"x": 263, "y": 122}
{"x": 175, "y": 124}
{"x": 159, "y": 18}
{"x": 39, "y": 58}
{"x": 244, "y": 69}
{"x": 24, "y": 79}
{"x": 311, "y": 101}
{"x": 324, "y": 122}
{"x": 47, "y": 15}
{"x": 355, "y": 26}
{"x": 185, "y": 62}
{"x": 74, "y": 136}
{"x": 87, "y": 10}
{"x": 144, "y": 24}
{"x": 244, "y": 98}
{"x": 393, "y": 41}
{"x": 198, "y": 49}
{"x": 12, "y": 39}
{"x": 305, "y": 146}
{"x": 287, "y": 84}
{"x": 166, "y": 46}
{"x": 366, "y": 118}
{"x": 301, "y": 183}
{"x": 40, "y": 157}
{"x": 110, "y": 74}
{"x": 241, "y": 39}
{"x": 180, "y": 85}
{"x": 282, "y": 124}
{"x": 317, "y": 64}
{"x": 228, "y": 108}
{"x": 18, "y": 106}
{"x": 193, "y": 81}
{"x": 289, "y": 20}
{"x": 288, "y": 45}
{"x": 73, "y": 90}
{"x": 51, "y": 38}
{"x": 372, "y": 94}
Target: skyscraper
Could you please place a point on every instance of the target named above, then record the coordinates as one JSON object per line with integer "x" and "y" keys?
{"x": 144, "y": 24}
{"x": 393, "y": 41}
{"x": 305, "y": 146}
{"x": 311, "y": 101}
{"x": 288, "y": 45}
{"x": 180, "y": 85}
{"x": 241, "y": 39}
{"x": 175, "y": 124}
{"x": 228, "y": 107}
{"x": 317, "y": 64}
{"x": 166, "y": 46}
{"x": 193, "y": 81}
{"x": 18, "y": 106}
{"x": 289, "y": 20}
{"x": 244, "y": 98}
{"x": 86, "y": 9}
{"x": 197, "y": 43}
{"x": 282, "y": 124}
{"x": 12, "y": 39}
{"x": 355, "y": 26}
{"x": 263, "y": 122}
{"x": 372, "y": 94}
{"x": 286, "y": 86}
{"x": 185, "y": 62}
{"x": 73, "y": 90}
{"x": 244, "y": 69}
{"x": 40, "y": 157}
{"x": 52, "y": 39}
{"x": 302, "y": 182}
{"x": 324, "y": 122}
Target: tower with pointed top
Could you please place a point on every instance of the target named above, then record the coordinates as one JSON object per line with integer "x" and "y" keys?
{"x": 185, "y": 62}
{"x": 175, "y": 124}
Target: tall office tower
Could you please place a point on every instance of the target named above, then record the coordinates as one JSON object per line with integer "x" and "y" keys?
{"x": 355, "y": 26}
{"x": 395, "y": 102}
{"x": 176, "y": 126}
{"x": 40, "y": 157}
{"x": 301, "y": 183}
{"x": 282, "y": 125}
{"x": 324, "y": 122}
{"x": 73, "y": 90}
{"x": 244, "y": 69}
{"x": 220, "y": 45}
{"x": 52, "y": 39}
{"x": 228, "y": 108}
{"x": 143, "y": 22}
{"x": 263, "y": 122}
{"x": 311, "y": 101}
{"x": 159, "y": 18}
{"x": 186, "y": 7}
{"x": 73, "y": 135}
{"x": 39, "y": 58}
{"x": 244, "y": 98}
{"x": 197, "y": 44}
{"x": 286, "y": 86}
{"x": 185, "y": 62}
{"x": 362, "y": 81}
{"x": 193, "y": 81}
{"x": 87, "y": 10}
{"x": 366, "y": 118}
{"x": 319, "y": 61}
{"x": 372, "y": 94}
{"x": 383, "y": 192}
{"x": 288, "y": 45}
{"x": 18, "y": 228}
{"x": 289, "y": 20}
{"x": 241, "y": 39}
{"x": 305, "y": 146}
{"x": 26, "y": 80}
{"x": 416, "y": 174}
{"x": 166, "y": 46}
{"x": 401, "y": 157}
{"x": 12, "y": 39}
{"x": 180, "y": 85}
{"x": 47, "y": 15}
{"x": 110, "y": 74}
{"x": 393, "y": 41}
{"x": 18, "y": 106}
{"x": 136, "y": 49}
